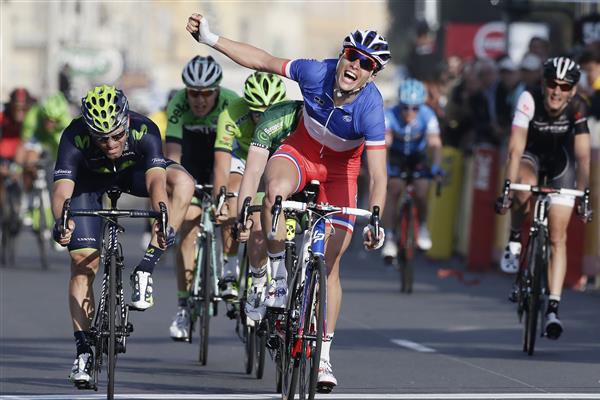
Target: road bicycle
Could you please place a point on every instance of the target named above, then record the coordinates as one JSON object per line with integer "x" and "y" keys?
{"x": 407, "y": 226}
{"x": 532, "y": 279}
{"x": 305, "y": 314}
{"x": 10, "y": 210}
{"x": 111, "y": 326}
{"x": 205, "y": 296}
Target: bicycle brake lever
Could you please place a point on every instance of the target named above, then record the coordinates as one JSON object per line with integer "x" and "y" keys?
{"x": 65, "y": 215}
{"x": 276, "y": 211}
{"x": 164, "y": 219}
{"x": 375, "y": 221}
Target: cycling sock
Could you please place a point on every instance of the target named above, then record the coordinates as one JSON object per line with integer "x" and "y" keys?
{"x": 259, "y": 275}
{"x": 553, "y": 303}
{"x": 150, "y": 259}
{"x": 81, "y": 341}
{"x": 515, "y": 236}
{"x": 231, "y": 265}
{"x": 182, "y": 298}
{"x": 278, "y": 265}
{"x": 326, "y": 346}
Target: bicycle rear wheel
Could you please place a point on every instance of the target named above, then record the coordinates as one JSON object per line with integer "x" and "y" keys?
{"x": 289, "y": 357}
{"x": 42, "y": 232}
{"x": 314, "y": 323}
{"x": 204, "y": 312}
{"x": 112, "y": 320}
{"x": 261, "y": 351}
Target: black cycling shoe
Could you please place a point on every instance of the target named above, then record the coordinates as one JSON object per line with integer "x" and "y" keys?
{"x": 553, "y": 326}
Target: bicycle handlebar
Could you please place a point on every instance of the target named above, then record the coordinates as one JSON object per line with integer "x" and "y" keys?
{"x": 300, "y": 206}
{"x": 536, "y": 189}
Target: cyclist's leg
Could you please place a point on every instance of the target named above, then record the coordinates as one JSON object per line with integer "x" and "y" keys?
{"x": 185, "y": 250}
{"x": 180, "y": 188}
{"x": 230, "y": 245}
{"x": 528, "y": 174}
{"x": 257, "y": 257}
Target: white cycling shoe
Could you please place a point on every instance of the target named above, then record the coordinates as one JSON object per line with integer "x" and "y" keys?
{"x": 389, "y": 251}
{"x": 510, "y": 258}
{"x": 326, "y": 380}
{"x": 424, "y": 239}
{"x": 81, "y": 369}
{"x": 180, "y": 327}
{"x": 255, "y": 308}
{"x": 277, "y": 293}
{"x": 141, "y": 283}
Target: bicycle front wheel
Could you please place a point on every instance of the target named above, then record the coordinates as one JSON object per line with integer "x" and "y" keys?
{"x": 204, "y": 312}
{"x": 314, "y": 324}
{"x": 112, "y": 322}
{"x": 261, "y": 351}
{"x": 537, "y": 265}
{"x": 406, "y": 246}
{"x": 250, "y": 345}
{"x": 289, "y": 360}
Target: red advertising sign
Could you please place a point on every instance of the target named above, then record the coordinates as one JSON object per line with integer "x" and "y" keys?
{"x": 475, "y": 40}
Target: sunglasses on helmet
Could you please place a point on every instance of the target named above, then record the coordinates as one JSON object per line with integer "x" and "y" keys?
{"x": 552, "y": 84}
{"x": 201, "y": 92}
{"x": 366, "y": 62}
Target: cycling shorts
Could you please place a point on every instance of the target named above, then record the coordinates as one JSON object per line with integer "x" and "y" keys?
{"x": 560, "y": 170}
{"x": 336, "y": 171}
{"x": 87, "y": 195}
{"x": 397, "y": 163}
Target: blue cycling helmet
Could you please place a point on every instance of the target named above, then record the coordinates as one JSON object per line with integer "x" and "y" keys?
{"x": 371, "y": 43}
{"x": 412, "y": 92}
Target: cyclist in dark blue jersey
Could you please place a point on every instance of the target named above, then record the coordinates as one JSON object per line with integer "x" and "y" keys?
{"x": 343, "y": 114}
{"x": 108, "y": 146}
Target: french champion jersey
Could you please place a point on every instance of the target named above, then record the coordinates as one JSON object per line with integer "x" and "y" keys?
{"x": 411, "y": 138}
{"x": 340, "y": 128}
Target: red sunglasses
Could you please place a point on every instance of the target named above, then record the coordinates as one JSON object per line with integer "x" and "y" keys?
{"x": 366, "y": 62}
{"x": 201, "y": 92}
{"x": 565, "y": 87}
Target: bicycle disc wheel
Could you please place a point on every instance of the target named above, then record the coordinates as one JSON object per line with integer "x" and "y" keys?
{"x": 204, "y": 312}
{"x": 314, "y": 322}
{"x": 261, "y": 351}
{"x": 112, "y": 316}
{"x": 250, "y": 346}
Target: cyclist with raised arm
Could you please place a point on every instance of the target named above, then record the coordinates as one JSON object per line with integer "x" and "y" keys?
{"x": 108, "y": 146}
{"x": 411, "y": 129}
{"x": 235, "y": 130}
{"x": 276, "y": 124}
{"x": 343, "y": 111}
{"x": 549, "y": 137}
{"x": 192, "y": 116}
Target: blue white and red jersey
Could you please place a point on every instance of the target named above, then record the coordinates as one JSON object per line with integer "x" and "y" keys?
{"x": 340, "y": 128}
{"x": 411, "y": 138}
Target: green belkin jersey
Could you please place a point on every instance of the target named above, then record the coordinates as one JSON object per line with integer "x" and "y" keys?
{"x": 33, "y": 129}
{"x": 235, "y": 129}
{"x": 276, "y": 123}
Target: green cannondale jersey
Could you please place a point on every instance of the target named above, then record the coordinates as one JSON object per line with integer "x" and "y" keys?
{"x": 235, "y": 129}
{"x": 276, "y": 123}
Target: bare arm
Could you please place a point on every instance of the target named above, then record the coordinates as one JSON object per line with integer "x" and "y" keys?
{"x": 221, "y": 171}
{"x": 434, "y": 143}
{"x": 243, "y": 54}
{"x": 516, "y": 147}
{"x": 376, "y": 161}
{"x": 389, "y": 138}
{"x": 156, "y": 184}
{"x": 174, "y": 151}
{"x": 582, "y": 155}
{"x": 63, "y": 189}
{"x": 255, "y": 166}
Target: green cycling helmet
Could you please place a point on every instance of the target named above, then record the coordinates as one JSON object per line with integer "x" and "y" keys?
{"x": 55, "y": 107}
{"x": 104, "y": 109}
{"x": 262, "y": 90}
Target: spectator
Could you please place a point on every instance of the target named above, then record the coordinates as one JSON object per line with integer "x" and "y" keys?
{"x": 483, "y": 104}
{"x": 540, "y": 47}
{"x": 507, "y": 92}
{"x": 590, "y": 63}
{"x": 531, "y": 72}
{"x": 423, "y": 57}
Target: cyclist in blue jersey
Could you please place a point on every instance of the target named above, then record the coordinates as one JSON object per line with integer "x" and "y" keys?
{"x": 411, "y": 129}
{"x": 107, "y": 146}
{"x": 343, "y": 114}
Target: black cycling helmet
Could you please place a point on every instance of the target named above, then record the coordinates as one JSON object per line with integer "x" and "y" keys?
{"x": 562, "y": 68}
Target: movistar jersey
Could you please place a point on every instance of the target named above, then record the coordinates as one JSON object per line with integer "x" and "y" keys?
{"x": 79, "y": 156}
{"x": 196, "y": 134}
{"x": 340, "y": 128}
{"x": 411, "y": 138}
{"x": 33, "y": 129}
{"x": 235, "y": 129}
{"x": 276, "y": 123}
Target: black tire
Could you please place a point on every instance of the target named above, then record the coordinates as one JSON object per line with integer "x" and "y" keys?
{"x": 250, "y": 347}
{"x": 112, "y": 319}
{"x": 314, "y": 321}
{"x": 204, "y": 312}
{"x": 43, "y": 242}
{"x": 406, "y": 246}
{"x": 289, "y": 364}
{"x": 290, "y": 260}
{"x": 261, "y": 351}
{"x": 278, "y": 371}
{"x": 532, "y": 311}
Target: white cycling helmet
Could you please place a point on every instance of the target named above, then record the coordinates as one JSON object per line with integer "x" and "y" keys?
{"x": 202, "y": 72}
{"x": 371, "y": 43}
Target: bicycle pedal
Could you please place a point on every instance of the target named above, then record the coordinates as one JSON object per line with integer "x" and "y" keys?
{"x": 324, "y": 387}
{"x": 134, "y": 308}
{"x": 85, "y": 386}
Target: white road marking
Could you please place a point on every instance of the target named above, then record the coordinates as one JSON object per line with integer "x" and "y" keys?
{"x": 413, "y": 346}
{"x": 348, "y": 396}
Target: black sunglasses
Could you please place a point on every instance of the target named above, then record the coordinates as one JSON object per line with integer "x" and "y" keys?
{"x": 565, "y": 87}
{"x": 105, "y": 138}
{"x": 201, "y": 92}
{"x": 366, "y": 62}
{"x": 409, "y": 108}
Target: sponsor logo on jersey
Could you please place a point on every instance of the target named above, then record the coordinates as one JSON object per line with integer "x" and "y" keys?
{"x": 178, "y": 112}
{"x": 347, "y": 118}
{"x": 137, "y": 135}
{"x": 82, "y": 142}
{"x": 157, "y": 160}
{"x": 318, "y": 100}
{"x": 273, "y": 128}
{"x": 59, "y": 172}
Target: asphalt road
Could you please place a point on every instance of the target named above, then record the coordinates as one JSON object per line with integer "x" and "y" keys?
{"x": 447, "y": 340}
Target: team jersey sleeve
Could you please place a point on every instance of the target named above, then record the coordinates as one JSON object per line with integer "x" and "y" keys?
{"x": 175, "y": 118}
{"x": 524, "y": 111}
{"x": 151, "y": 146}
{"x": 227, "y": 131}
{"x": 580, "y": 116}
{"x": 303, "y": 70}
{"x": 69, "y": 156}
{"x": 432, "y": 125}
{"x": 373, "y": 126}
